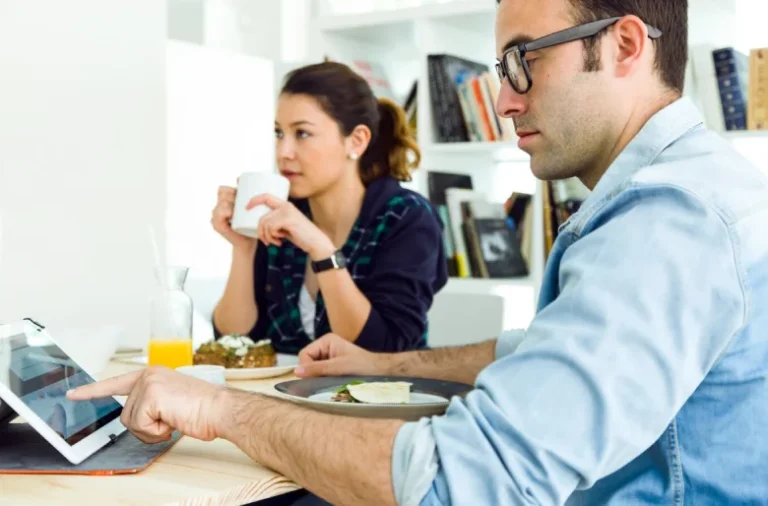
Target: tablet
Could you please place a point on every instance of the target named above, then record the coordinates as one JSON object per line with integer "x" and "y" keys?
{"x": 35, "y": 375}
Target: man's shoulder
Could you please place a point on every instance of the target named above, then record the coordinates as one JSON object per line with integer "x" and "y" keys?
{"x": 704, "y": 167}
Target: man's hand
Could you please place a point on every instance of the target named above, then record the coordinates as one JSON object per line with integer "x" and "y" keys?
{"x": 332, "y": 355}
{"x": 160, "y": 401}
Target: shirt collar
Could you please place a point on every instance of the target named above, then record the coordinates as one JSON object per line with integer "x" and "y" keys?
{"x": 664, "y": 128}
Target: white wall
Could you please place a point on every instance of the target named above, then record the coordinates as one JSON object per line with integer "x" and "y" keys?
{"x": 252, "y": 27}
{"x": 82, "y": 155}
{"x": 220, "y": 124}
{"x": 186, "y": 20}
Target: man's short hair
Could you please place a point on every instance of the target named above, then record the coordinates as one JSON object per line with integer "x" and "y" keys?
{"x": 669, "y": 16}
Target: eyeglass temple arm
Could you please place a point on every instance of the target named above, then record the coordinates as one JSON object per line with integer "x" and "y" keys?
{"x": 581, "y": 32}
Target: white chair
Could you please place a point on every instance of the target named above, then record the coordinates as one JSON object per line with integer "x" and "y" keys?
{"x": 464, "y": 318}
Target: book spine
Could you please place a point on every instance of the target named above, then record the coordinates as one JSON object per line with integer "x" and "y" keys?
{"x": 437, "y": 100}
{"x": 459, "y": 131}
{"x": 465, "y": 98}
{"x": 758, "y": 90}
{"x": 507, "y": 125}
{"x": 490, "y": 106}
{"x": 730, "y": 72}
{"x": 485, "y": 121}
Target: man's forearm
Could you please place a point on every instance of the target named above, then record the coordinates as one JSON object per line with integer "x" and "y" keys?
{"x": 344, "y": 460}
{"x": 461, "y": 363}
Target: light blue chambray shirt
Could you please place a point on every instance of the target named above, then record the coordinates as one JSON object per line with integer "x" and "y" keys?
{"x": 643, "y": 378}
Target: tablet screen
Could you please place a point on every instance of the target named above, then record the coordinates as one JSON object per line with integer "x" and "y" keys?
{"x": 39, "y": 373}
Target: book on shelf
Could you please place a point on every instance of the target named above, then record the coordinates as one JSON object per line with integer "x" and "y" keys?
{"x": 500, "y": 250}
{"x": 410, "y": 106}
{"x": 525, "y": 233}
{"x": 474, "y": 252}
{"x": 437, "y": 184}
{"x": 454, "y": 197}
{"x": 757, "y": 115}
{"x": 704, "y": 85}
{"x": 488, "y": 244}
{"x": 549, "y": 232}
{"x": 562, "y": 199}
{"x": 372, "y": 71}
{"x": 519, "y": 209}
{"x": 730, "y": 88}
{"x": 732, "y": 70}
{"x": 493, "y": 246}
{"x": 463, "y": 95}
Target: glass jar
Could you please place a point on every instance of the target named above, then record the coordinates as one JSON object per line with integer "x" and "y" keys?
{"x": 170, "y": 340}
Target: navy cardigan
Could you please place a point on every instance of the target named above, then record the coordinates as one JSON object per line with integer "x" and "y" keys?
{"x": 395, "y": 255}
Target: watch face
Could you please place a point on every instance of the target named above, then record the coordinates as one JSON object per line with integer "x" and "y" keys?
{"x": 335, "y": 261}
{"x": 339, "y": 261}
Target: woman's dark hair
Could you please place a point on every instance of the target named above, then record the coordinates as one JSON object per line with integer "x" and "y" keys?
{"x": 347, "y": 98}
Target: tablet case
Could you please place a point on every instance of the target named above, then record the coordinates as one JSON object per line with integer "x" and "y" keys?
{"x": 24, "y": 451}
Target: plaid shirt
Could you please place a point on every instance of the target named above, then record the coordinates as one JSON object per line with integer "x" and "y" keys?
{"x": 395, "y": 256}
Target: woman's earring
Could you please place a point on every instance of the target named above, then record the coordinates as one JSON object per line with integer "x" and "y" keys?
{"x": 353, "y": 156}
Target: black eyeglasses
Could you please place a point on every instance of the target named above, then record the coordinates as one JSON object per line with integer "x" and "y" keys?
{"x": 514, "y": 66}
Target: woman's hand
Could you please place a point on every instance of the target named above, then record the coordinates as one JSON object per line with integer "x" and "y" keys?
{"x": 285, "y": 221}
{"x": 222, "y": 216}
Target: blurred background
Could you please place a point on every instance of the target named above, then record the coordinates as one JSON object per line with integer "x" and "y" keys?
{"x": 121, "y": 116}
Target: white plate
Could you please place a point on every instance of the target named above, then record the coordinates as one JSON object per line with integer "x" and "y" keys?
{"x": 428, "y": 397}
{"x": 416, "y": 399}
{"x": 285, "y": 364}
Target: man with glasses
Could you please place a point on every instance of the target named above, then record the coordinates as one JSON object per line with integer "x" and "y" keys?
{"x": 643, "y": 378}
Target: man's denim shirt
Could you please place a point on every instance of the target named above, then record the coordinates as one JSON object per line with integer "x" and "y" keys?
{"x": 643, "y": 378}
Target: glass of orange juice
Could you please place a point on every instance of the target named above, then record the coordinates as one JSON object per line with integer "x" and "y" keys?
{"x": 170, "y": 342}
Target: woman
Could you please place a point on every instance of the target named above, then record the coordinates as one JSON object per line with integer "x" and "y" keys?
{"x": 344, "y": 153}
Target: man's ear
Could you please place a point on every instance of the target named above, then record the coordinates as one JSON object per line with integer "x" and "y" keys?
{"x": 358, "y": 141}
{"x": 631, "y": 37}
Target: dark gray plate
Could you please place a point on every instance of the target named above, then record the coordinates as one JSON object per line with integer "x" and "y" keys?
{"x": 432, "y": 395}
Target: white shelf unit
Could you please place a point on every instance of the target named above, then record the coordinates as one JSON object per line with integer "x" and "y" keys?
{"x": 478, "y": 10}
{"x": 400, "y": 40}
{"x": 736, "y": 135}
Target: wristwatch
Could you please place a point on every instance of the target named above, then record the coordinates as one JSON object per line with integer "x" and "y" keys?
{"x": 335, "y": 261}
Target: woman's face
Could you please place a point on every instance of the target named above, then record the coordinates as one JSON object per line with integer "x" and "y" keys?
{"x": 311, "y": 150}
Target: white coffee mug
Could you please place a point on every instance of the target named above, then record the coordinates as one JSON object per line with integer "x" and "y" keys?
{"x": 250, "y": 184}
{"x": 210, "y": 373}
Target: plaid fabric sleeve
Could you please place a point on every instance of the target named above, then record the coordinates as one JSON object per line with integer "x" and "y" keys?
{"x": 407, "y": 268}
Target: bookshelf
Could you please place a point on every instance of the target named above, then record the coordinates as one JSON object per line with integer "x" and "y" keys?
{"x": 747, "y": 134}
{"x": 400, "y": 34}
{"x": 496, "y": 151}
{"x": 400, "y": 39}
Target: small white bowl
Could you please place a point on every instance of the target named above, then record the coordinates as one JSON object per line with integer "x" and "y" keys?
{"x": 210, "y": 373}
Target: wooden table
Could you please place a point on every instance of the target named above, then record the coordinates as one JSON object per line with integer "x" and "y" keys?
{"x": 191, "y": 473}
